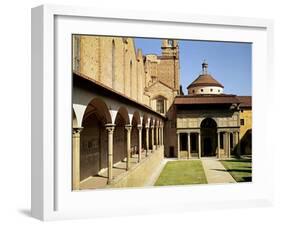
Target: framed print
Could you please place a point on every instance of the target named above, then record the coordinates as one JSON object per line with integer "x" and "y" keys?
{"x": 136, "y": 113}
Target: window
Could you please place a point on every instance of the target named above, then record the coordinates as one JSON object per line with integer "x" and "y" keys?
{"x": 170, "y": 42}
{"x": 193, "y": 91}
{"x": 131, "y": 78}
{"x": 160, "y": 103}
{"x": 211, "y": 90}
{"x": 201, "y": 90}
{"x": 113, "y": 64}
{"x": 242, "y": 122}
{"x": 219, "y": 90}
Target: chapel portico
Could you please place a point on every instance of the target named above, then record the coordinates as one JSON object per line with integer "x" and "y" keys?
{"x": 208, "y": 121}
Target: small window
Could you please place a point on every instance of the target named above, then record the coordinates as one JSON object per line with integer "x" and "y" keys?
{"x": 211, "y": 90}
{"x": 170, "y": 42}
{"x": 219, "y": 90}
{"x": 160, "y": 103}
{"x": 201, "y": 90}
{"x": 242, "y": 122}
{"x": 193, "y": 91}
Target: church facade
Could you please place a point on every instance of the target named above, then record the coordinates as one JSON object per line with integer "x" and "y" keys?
{"x": 129, "y": 112}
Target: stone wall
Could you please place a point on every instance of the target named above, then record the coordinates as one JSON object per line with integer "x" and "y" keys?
{"x": 193, "y": 119}
{"x": 116, "y": 63}
{"x": 112, "y": 61}
{"x": 247, "y": 116}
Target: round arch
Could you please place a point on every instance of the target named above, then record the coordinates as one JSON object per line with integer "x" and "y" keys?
{"x": 123, "y": 112}
{"x": 93, "y": 138}
{"x": 208, "y": 130}
{"x": 99, "y": 108}
{"x": 136, "y": 118}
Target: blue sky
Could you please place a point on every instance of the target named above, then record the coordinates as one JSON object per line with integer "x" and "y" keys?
{"x": 230, "y": 63}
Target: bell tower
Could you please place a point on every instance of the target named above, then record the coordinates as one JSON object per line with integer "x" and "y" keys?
{"x": 170, "y": 48}
{"x": 168, "y": 69}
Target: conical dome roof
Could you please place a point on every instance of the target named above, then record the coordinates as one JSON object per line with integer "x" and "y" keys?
{"x": 205, "y": 80}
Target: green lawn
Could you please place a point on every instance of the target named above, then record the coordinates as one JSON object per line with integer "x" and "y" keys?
{"x": 240, "y": 169}
{"x": 182, "y": 172}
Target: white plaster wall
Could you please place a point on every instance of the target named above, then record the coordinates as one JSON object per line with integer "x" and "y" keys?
{"x": 206, "y": 90}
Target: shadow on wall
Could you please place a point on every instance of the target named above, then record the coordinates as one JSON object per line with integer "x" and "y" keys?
{"x": 245, "y": 144}
{"x": 170, "y": 139}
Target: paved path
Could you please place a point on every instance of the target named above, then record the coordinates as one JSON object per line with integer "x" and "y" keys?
{"x": 215, "y": 171}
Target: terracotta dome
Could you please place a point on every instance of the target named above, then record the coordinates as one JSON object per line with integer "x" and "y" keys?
{"x": 205, "y": 83}
{"x": 205, "y": 80}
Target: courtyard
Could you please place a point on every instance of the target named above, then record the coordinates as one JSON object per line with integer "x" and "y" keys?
{"x": 205, "y": 171}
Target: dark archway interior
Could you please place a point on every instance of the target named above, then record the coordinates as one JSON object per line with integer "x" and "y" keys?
{"x": 208, "y": 137}
{"x": 119, "y": 139}
{"x": 93, "y": 146}
{"x": 183, "y": 139}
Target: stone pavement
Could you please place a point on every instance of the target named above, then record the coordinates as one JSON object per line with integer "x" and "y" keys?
{"x": 100, "y": 180}
{"x": 154, "y": 177}
{"x": 215, "y": 171}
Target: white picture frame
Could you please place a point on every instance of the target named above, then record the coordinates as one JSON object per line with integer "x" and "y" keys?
{"x": 53, "y": 199}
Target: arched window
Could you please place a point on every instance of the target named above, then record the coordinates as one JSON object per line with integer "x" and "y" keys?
{"x": 113, "y": 64}
{"x": 131, "y": 78}
{"x": 170, "y": 42}
{"x": 160, "y": 105}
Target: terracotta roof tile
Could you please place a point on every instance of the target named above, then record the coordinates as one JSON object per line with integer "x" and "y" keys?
{"x": 205, "y": 80}
{"x": 246, "y": 101}
{"x": 206, "y": 99}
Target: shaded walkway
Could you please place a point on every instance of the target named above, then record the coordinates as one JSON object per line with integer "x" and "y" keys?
{"x": 118, "y": 171}
{"x": 215, "y": 171}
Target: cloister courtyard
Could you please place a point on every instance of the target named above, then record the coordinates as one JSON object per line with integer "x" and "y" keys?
{"x": 133, "y": 125}
{"x": 182, "y": 172}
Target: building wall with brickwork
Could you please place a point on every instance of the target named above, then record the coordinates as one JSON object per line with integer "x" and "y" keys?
{"x": 116, "y": 63}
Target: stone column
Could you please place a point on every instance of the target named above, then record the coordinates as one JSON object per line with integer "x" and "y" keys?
{"x": 157, "y": 137}
{"x": 229, "y": 149}
{"x": 140, "y": 142}
{"x": 147, "y": 139}
{"x": 128, "y": 129}
{"x": 152, "y": 137}
{"x": 76, "y": 158}
{"x": 162, "y": 136}
{"x": 219, "y": 154}
{"x": 110, "y": 130}
{"x": 224, "y": 144}
{"x": 199, "y": 145}
{"x": 238, "y": 144}
{"x": 188, "y": 145}
{"x": 179, "y": 152}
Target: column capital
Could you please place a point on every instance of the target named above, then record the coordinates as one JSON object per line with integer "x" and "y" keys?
{"x": 128, "y": 127}
{"x": 77, "y": 130}
{"x": 152, "y": 126}
{"x": 110, "y": 127}
{"x": 147, "y": 127}
{"x": 139, "y": 127}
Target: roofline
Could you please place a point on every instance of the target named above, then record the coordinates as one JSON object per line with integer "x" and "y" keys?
{"x": 163, "y": 83}
{"x": 207, "y": 96}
